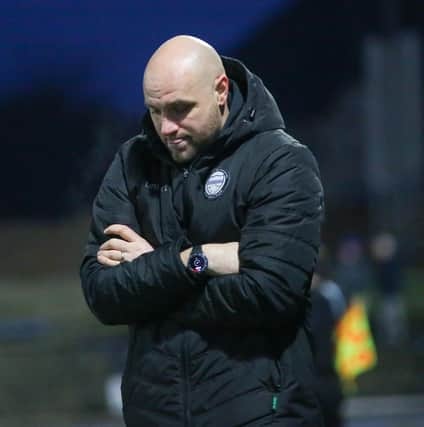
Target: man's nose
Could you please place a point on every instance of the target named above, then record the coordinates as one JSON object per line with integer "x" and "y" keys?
{"x": 168, "y": 127}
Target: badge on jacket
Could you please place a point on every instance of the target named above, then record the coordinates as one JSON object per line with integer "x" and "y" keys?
{"x": 216, "y": 183}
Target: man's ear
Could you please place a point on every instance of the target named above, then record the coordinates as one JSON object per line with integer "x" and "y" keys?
{"x": 222, "y": 86}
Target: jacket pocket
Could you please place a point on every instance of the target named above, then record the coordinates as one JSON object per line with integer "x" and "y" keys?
{"x": 268, "y": 372}
{"x": 275, "y": 375}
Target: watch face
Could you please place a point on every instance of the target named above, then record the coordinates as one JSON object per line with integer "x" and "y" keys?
{"x": 198, "y": 263}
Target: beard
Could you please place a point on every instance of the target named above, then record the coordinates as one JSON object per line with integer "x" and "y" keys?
{"x": 194, "y": 142}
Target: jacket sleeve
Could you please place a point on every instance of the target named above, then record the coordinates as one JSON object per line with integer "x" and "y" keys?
{"x": 278, "y": 248}
{"x": 134, "y": 291}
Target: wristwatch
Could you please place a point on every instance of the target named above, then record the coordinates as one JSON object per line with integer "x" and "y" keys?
{"x": 197, "y": 261}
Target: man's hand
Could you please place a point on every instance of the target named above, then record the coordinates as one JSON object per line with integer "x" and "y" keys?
{"x": 116, "y": 251}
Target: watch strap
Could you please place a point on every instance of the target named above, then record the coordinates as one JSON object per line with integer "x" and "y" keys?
{"x": 196, "y": 250}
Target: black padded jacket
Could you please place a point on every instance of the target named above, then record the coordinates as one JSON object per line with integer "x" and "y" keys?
{"x": 232, "y": 350}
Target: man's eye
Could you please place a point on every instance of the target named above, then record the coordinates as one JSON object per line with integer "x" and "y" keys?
{"x": 181, "y": 108}
{"x": 154, "y": 111}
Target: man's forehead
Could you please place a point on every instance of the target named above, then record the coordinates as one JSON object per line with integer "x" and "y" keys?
{"x": 167, "y": 99}
{"x": 170, "y": 90}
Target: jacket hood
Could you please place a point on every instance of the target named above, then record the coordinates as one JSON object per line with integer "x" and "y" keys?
{"x": 260, "y": 112}
{"x": 253, "y": 110}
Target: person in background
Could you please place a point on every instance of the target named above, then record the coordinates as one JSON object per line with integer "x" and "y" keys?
{"x": 352, "y": 270}
{"x": 392, "y": 323}
{"x": 328, "y": 306}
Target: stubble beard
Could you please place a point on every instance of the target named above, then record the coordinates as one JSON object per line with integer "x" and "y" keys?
{"x": 197, "y": 144}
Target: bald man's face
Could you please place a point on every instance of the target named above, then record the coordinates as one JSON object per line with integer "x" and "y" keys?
{"x": 187, "y": 109}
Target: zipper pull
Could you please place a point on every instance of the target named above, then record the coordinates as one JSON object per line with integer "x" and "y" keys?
{"x": 185, "y": 173}
{"x": 274, "y": 403}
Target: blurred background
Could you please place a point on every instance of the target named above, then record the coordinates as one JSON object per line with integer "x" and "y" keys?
{"x": 348, "y": 77}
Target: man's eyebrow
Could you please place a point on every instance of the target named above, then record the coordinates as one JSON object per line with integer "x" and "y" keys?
{"x": 180, "y": 101}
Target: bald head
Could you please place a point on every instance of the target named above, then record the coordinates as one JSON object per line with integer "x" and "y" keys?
{"x": 185, "y": 90}
{"x": 184, "y": 57}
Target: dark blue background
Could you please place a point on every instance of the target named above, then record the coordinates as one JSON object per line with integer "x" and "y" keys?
{"x": 106, "y": 43}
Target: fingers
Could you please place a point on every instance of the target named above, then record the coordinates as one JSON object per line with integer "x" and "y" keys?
{"x": 112, "y": 255}
{"x": 115, "y": 244}
{"x": 102, "y": 259}
{"x": 123, "y": 231}
{"x": 127, "y": 246}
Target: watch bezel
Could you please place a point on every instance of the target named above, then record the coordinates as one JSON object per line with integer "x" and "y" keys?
{"x": 197, "y": 269}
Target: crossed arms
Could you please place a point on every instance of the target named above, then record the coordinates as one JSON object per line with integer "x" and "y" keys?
{"x": 260, "y": 281}
{"x": 222, "y": 257}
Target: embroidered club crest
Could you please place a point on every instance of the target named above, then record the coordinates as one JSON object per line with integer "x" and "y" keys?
{"x": 216, "y": 183}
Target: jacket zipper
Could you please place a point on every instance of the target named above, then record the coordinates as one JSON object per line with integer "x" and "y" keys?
{"x": 186, "y": 384}
{"x": 185, "y": 356}
{"x": 163, "y": 195}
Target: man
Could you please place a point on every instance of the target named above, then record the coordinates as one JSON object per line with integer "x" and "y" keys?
{"x": 204, "y": 237}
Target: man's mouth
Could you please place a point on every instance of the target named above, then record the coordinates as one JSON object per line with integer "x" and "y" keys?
{"x": 178, "y": 144}
{"x": 176, "y": 141}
